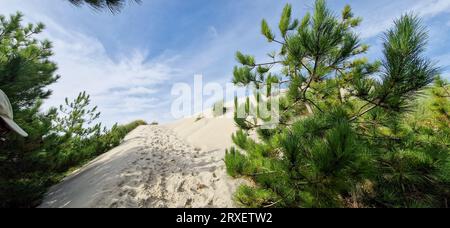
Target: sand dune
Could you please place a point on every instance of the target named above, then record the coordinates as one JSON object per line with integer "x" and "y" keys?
{"x": 176, "y": 165}
{"x": 207, "y": 133}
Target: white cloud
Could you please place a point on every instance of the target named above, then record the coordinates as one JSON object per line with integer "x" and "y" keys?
{"x": 117, "y": 87}
{"x": 139, "y": 91}
{"x": 126, "y": 87}
{"x": 123, "y": 89}
{"x": 431, "y": 8}
{"x": 376, "y": 23}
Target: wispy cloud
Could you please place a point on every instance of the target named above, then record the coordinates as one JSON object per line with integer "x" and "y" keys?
{"x": 380, "y": 19}
{"x": 124, "y": 88}
{"x": 118, "y": 87}
{"x": 213, "y": 32}
{"x": 431, "y": 8}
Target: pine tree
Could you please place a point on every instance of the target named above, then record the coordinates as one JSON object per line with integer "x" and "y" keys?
{"x": 77, "y": 117}
{"x": 341, "y": 141}
{"x": 75, "y": 123}
{"x": 25, "y": 72}
{"x": 25, "y": 67}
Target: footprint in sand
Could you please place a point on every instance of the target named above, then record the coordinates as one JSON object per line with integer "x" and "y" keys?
{"x": 201, "y": 186}
{"x": 188, "y": 203}
{"x": 160, "y": 171}
{"x": 180, "y": 188}
{"x": 132, "y": 193}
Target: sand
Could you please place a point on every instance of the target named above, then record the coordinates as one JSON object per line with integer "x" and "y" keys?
{"x": 176, "y": 165}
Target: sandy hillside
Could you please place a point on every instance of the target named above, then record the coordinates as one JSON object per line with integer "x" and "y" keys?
{"x": 176, "y": 165}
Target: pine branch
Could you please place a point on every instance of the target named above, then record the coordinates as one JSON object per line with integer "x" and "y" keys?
{"x": 363, "y": 113}
{"x": 268, "y": 63}
{"x": 279, "y": 42}
{"x": 314, "y": 104}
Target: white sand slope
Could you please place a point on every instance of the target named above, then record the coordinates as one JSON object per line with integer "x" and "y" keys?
{"x": 177, "y": 165}
{"x": 206, "y": 133}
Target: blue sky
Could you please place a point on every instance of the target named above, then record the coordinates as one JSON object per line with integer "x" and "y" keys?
{"x": 128, "y": 62}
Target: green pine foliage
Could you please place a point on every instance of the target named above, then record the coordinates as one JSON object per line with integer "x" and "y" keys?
{"x": 352, "y": 133}
{"x": 113, "y": 5}
{"x": 441, "y": 103}
{"x": 25, "y": 65}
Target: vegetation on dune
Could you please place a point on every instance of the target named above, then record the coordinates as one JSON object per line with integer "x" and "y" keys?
{"x": 219, "y": 109}
{"x": 60, "y": 138}
{"x": 353, "y": 133}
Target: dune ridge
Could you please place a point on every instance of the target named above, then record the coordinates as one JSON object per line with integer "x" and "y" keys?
{"x": 175, "y": 165}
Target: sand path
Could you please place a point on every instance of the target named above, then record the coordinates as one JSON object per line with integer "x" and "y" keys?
{"x": 154, "y": 167}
